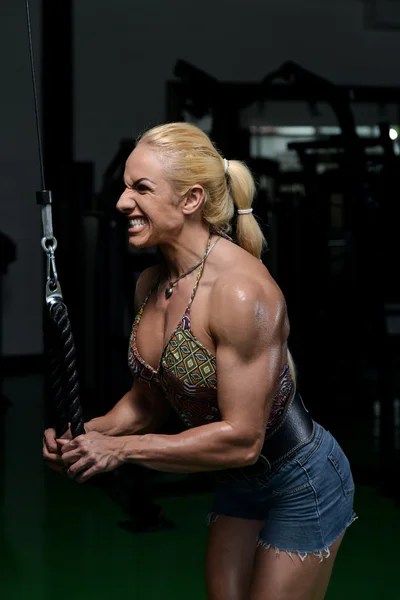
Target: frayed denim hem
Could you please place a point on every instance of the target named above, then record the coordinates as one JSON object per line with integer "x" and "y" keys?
{"x": 321, "y": 554}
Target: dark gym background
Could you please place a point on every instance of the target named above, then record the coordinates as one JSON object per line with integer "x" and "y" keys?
{"x": 309, "y": 95}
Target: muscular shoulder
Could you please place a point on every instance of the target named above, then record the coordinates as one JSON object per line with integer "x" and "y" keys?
{"x": 248, "y": 309}
{"x": 147, "y": 279}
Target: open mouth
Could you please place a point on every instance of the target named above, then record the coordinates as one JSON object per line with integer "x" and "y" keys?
{"x": 137, "y": 224}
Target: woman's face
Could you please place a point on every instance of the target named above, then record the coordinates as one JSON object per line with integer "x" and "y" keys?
{"x": 149, "y": 202}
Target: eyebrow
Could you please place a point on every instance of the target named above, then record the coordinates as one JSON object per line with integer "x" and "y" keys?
{"x": 140, "y": 181}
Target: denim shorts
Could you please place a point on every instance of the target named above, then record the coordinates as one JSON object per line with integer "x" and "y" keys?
{"x": 305, "y": 504}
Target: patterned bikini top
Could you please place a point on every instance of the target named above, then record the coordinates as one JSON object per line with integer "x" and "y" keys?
{"x": 187, "y": 372}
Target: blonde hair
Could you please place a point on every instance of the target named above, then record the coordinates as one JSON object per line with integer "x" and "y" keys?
{"x": 191, "y": 158}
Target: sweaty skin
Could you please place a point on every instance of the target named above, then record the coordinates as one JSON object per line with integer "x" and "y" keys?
{"x": 239, "y": 314}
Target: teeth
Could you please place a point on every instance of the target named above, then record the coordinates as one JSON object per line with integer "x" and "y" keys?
{"x": 136, "y": 222}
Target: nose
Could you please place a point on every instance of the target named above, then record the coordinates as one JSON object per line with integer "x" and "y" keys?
{"x": 126, "y": 203}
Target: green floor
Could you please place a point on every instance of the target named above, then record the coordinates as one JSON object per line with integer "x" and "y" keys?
{"x": 82, "y": 554}
{"x": 60, "y": 540}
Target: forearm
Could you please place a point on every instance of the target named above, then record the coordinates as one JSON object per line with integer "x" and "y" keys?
{"x": 127, "y": 418}
{"x": 211, "y": 447}
{"x": 112, "y": 426}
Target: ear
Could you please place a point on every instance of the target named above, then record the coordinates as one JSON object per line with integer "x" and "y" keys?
{"x": 193, "y": 200}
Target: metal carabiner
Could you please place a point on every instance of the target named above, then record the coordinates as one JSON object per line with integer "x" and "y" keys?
{"x": 51, "y": 266}
{"x": 53, "y": 288}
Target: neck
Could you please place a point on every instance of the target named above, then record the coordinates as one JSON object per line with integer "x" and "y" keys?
{"x": 185, "y": 250}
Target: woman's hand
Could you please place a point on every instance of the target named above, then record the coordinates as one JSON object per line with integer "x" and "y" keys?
{"x": 51, "y": 450}
{"x": 89, "y": 455}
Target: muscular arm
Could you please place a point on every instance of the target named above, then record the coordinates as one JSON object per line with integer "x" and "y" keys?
{"x": 249, "y": 336}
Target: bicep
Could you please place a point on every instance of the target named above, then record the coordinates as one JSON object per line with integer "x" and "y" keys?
{"x": 246, "y": 387}
{"x": 249, "y": 359}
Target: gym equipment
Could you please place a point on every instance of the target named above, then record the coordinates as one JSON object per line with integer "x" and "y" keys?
{"x": 58, "y": 338}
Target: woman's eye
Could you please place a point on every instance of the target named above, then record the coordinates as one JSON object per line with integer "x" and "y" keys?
{"x": 140, "y": 187}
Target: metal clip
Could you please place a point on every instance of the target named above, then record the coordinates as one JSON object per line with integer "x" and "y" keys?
{"x": 51, "y": 266}
{"x": 53, "y": 288}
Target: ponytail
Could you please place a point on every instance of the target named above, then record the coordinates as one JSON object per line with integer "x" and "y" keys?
{"x": 242, "y": 189}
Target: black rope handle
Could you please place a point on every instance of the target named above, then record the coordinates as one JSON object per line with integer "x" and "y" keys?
{"x": 63, "y": 370}
{"x": 53, "y": 366}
